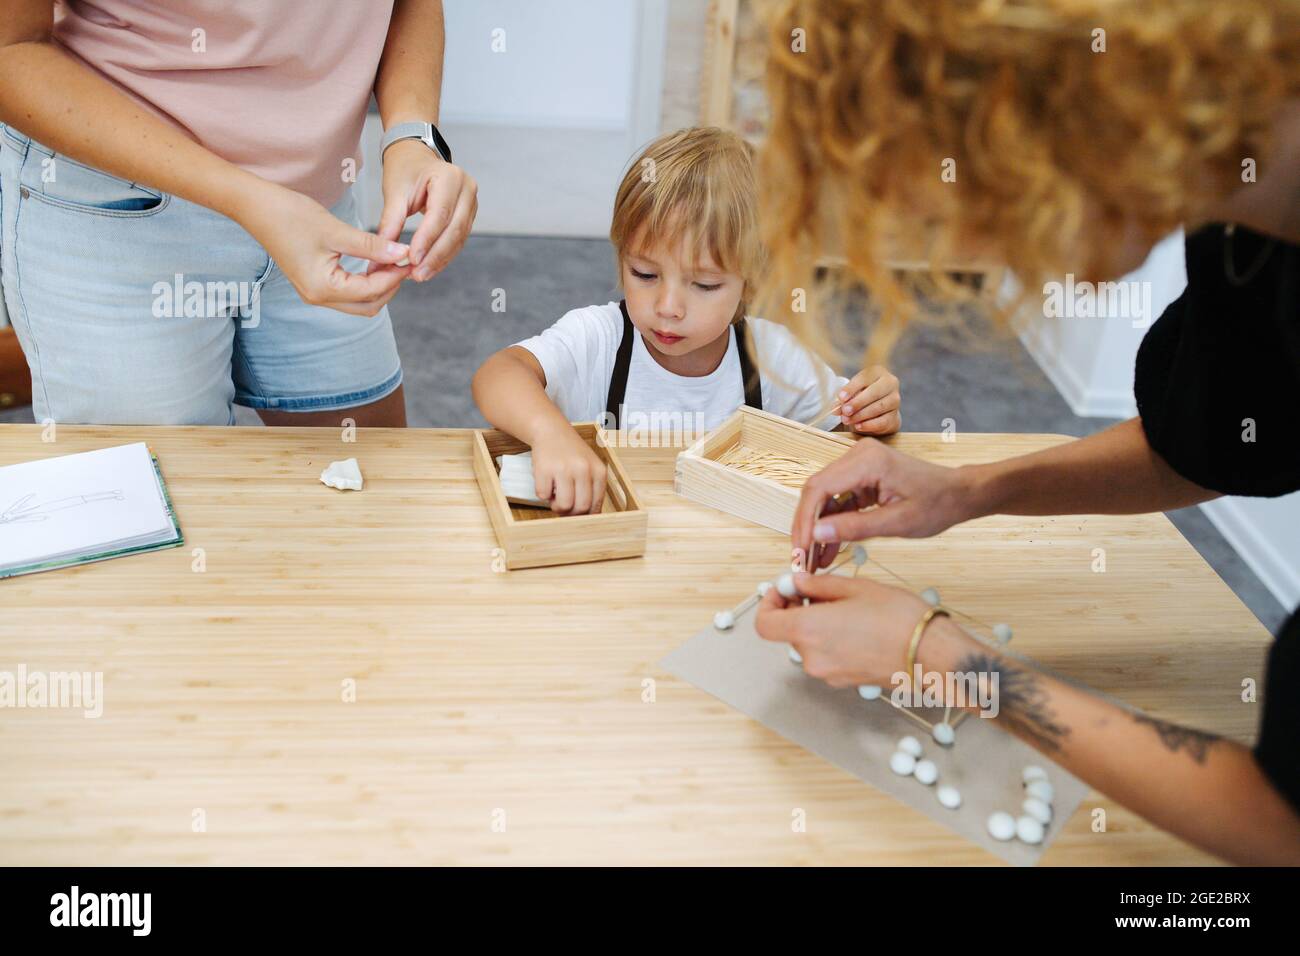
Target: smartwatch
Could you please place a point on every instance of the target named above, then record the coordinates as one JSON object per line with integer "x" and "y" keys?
{"x": 426, "y": 133}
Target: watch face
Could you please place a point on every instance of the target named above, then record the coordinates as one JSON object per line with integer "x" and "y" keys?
{"x": 440, "y": 144}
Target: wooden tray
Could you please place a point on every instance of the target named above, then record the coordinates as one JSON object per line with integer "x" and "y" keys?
{"x": 536, "y": 537}
{"x": 704, "y": 475}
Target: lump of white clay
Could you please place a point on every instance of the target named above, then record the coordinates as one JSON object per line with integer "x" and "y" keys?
{"x": 795, "y": 657}
{"x": 902, "y": 763}
{"x": 943, "y": 734}
{"x": 517, "y": 480}
{"x": 785, "y": 586}
{"x": 1040, "y": 811}
{"x": 859, "y": 555}
{"x": 926, "y": 772}
{"x": 763, "y": 588}
{"x": 950, "y": 797}
{"x": 930, "y": 596}
{"x": 1029, "y": 830}
{"x": 1002, "y": 826}
{"x": 1041, "y": 789}
{"x": 910, "y": 745}
{"x": 724, "y": 620}
{"x": 1002, "y": 633}
{"x": 1033, "y": 772}
{"x": 869, "y": 691}
{"x": 343, "y": 475}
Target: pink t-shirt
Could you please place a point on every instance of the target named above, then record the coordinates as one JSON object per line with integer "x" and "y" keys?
{"x": 279, "y": 87}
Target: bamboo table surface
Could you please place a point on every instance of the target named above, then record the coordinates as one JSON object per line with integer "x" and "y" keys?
{"x": 519, "y": 717}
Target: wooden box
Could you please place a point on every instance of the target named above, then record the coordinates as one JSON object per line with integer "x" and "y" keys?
{"x": 536, "y": 537}
{"x": 711, "y": 471}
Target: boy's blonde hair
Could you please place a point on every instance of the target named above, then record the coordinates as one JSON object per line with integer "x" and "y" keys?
{"x": 697, "y": 184}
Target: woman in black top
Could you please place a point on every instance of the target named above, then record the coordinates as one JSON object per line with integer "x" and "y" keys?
{"x": 1218, "y": 375}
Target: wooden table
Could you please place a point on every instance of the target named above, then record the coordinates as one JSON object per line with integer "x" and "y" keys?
{"x": 506, "y": 717}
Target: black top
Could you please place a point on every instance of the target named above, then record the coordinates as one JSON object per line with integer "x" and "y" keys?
{"x": 1218, "y": 388}
{"x": 623, "y": 361}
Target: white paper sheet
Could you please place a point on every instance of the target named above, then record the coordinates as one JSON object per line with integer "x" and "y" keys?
{"x": 80, "y": 504}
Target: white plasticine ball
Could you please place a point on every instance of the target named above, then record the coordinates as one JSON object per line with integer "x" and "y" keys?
{"x": 1041, "y": 789}
{"x": 950, "y": 797}
{"x": 869, "y": 691}
{"x": 795, "y": 656}
{"x": 930, "y": 596}
{"x": 926, "y": 772}
{"x": 1037, "y": 809}
{"x": 724, "y": 620}
{"x": 785, "y": 586}
{"x": 1033, "y": 772}
{"x": 1002, "y": 633}
{"x": 1029, "y": 830}
{"x": 943, "y": 734}
{"x": 859, "y": 555}
{"x": 763, "y": 588}
{"x": 902, "y": 763}
{"x": 1002, "y": 826}
{"x": 910, "y": 745}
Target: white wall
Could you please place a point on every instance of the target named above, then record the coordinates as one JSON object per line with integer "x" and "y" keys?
{"x": 1090, "y": 361}
{"x": 544, "y": 103}
{"x": 567, "y": 63}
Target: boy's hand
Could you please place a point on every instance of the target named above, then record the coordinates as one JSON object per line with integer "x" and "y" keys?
{"x": 568, "y": 473}
{"x": 870, "y": 402}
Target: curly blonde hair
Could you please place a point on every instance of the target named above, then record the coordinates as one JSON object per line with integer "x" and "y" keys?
{"x": 1063, "y": 126}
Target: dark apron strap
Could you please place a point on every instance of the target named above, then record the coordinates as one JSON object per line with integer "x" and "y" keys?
{"x": 622, "y": 362}
{"x": 748, "y": 373}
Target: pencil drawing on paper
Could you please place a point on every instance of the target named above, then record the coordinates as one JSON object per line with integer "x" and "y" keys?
{"x": 25, "y": 510}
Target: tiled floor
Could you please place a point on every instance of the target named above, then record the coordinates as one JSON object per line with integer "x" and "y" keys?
{"x": 446, "y": 327}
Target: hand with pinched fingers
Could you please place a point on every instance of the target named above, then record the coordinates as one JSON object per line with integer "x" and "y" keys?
{"x": 903, "y": 497}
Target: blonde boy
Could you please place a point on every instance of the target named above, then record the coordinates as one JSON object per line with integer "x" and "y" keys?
{"x": 680, "y": 347}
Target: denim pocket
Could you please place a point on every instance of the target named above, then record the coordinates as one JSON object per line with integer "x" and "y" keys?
{"x": 66, "y": 184}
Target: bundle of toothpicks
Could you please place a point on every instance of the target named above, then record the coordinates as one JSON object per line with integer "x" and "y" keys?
{"x": 789, "y": 471}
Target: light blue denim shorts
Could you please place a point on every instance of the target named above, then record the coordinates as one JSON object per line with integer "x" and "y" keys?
{"x": 136, "y": 307}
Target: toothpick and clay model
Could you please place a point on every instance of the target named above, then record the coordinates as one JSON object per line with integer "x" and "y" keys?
{"x": 343, "y": 475}
{"x": 943, "y": 732}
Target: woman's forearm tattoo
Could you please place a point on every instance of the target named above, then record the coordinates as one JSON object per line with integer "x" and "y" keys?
{"x": 1022, "y": 699}
{"x": 1197, "y": 743}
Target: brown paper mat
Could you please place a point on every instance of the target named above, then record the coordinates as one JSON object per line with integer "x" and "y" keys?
{"x": 985, "y": 763}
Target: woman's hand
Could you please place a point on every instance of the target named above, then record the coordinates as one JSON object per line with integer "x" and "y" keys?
{"x": 914, "y": 499}
{"x": 855, "y": 632}
{"x": 871, "y": 401}
{"x": 568, "y": 473}
{"x": 417, "y": 180}
{"x": 306, "y": 242}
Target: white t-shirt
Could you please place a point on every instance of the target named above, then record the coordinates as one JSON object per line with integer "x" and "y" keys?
{"x": 577, "y": 354}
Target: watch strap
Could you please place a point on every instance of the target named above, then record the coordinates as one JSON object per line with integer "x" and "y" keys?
{"x": 426, "y": 133}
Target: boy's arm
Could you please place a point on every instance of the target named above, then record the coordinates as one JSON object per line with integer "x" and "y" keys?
{"x": 510, "y": 390}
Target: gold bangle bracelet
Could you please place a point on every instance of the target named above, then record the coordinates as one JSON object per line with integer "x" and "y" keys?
{"x": 926, "y": 618}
